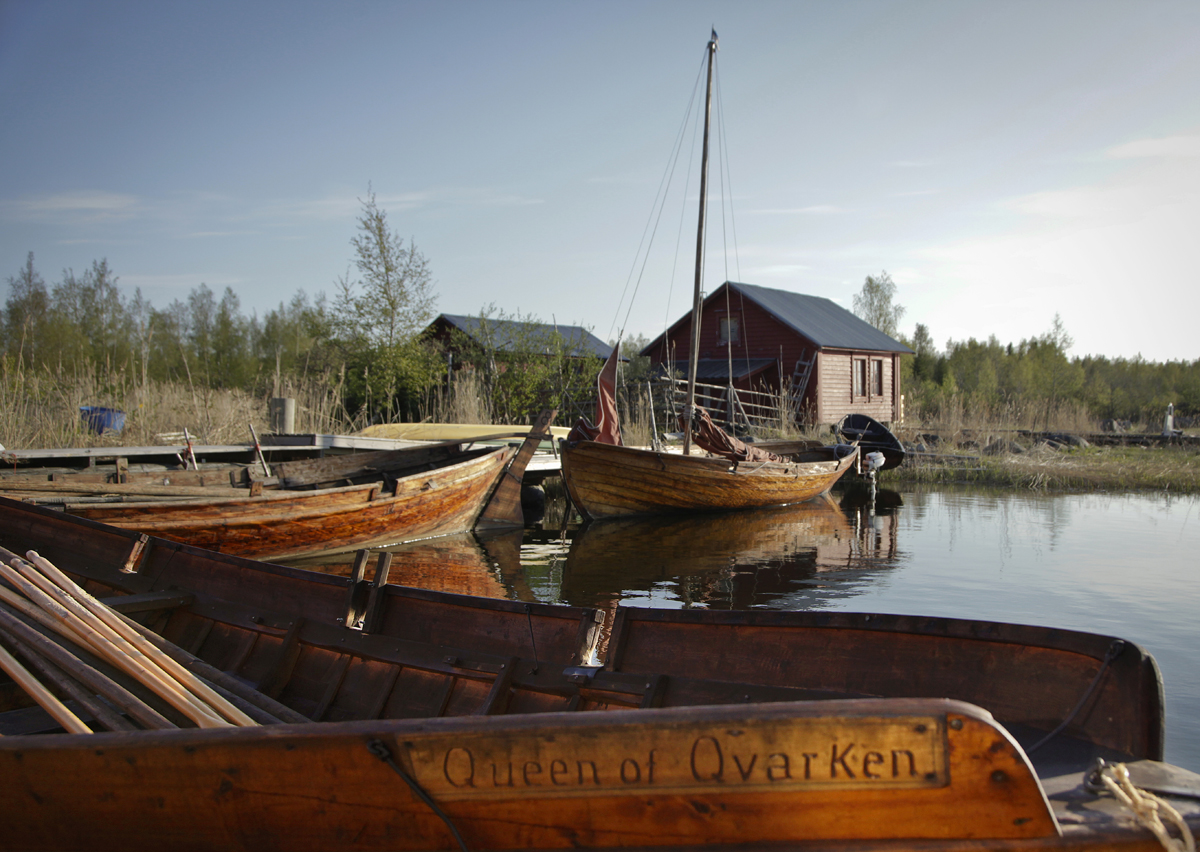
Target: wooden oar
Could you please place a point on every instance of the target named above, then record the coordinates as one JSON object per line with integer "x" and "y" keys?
{"x": 67, "y": 685}
{"x": 91, "y": 677}
{"x": 110, "y": 646}
{"x": 36, "y": 613}
{"x": 163, "y": 661}
{"x": 274, "y": 710}
{"x": 41, "y": 695}
{"x": 269, "y": 711}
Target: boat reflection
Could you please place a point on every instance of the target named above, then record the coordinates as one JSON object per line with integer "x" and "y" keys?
{"x": 794, "y": 557}
{"x": 466, "y": 564}
{"x": 733, "y": 560}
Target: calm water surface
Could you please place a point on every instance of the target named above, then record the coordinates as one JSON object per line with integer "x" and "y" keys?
{"x": 1119, "y": 564}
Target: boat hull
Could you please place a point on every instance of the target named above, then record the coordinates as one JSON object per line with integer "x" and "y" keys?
{"x": 544, "y": 753}
{"x": 610, "y": 481}
{"x": 637, "y": 778}
{"x": 278, "y": 525}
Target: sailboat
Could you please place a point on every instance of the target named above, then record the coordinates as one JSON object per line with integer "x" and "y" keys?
{"x": 606, "y": 479}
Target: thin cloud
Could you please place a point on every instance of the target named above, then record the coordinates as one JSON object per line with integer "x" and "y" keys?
{"x": 72, "y": 206}
{"x": 811, "y": 210}
{"x": 1173, "y": 147}
{"x": 777, "y": 270}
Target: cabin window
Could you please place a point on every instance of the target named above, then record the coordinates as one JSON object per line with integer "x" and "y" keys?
{"x": 877, "y": 378}
{"x": 729, "y": 331}
{"x": 860, "y": 377}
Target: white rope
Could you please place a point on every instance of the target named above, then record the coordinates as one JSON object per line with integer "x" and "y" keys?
{"x": 1147, "y": 808}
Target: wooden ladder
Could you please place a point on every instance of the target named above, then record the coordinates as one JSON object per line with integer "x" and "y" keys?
{"x": 800, "y": 380}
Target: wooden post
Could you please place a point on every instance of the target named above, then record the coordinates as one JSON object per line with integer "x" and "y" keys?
{"x": 504, "y": 507}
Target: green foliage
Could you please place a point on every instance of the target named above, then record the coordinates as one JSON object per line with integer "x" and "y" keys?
{"x": 367, "y": 345}
{"x": 1032, "y": 382}
{"x": 525, "y": 365}
{"x": 377, "y": 320}
{"x": 874, "y": 304}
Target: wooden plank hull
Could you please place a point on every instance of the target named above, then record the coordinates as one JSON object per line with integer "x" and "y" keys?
{"x": 936, "y": 776}
{"x": 652, "y": 778}
{"x": 118, "y": 561}
{"x": 796, "y": 740}
{"x": 609, "y": 481}
{"x": 1031, "y": 678}
{"x": 277, "y": 525}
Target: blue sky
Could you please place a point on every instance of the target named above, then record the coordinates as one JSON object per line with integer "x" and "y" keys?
{"x": 1003, "y": 161}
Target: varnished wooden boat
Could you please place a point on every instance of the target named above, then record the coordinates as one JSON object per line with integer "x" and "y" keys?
{"x": 281, "y": 523}
{"x": 378, "y": 498}
{"x": 607, "y": 481}
{"x": 436, "y": 719}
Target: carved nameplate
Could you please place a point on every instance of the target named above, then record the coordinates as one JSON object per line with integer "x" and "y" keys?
{"x": 753, "y": 755}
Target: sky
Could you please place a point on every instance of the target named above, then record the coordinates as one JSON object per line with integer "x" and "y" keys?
{"x": 1005, "y": 162}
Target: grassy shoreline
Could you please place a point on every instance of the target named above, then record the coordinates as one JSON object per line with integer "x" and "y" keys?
{"x": 1165, "y": 469}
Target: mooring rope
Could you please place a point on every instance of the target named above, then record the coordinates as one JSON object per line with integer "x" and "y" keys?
{"x": 1114, "y": 651}
{"x": 1148, "y": 809}
{"x": 532, "y": 640}
{"x": 380, "y": 750}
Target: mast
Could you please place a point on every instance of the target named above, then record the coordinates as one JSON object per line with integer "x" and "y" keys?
{"x": 694, "y": 355}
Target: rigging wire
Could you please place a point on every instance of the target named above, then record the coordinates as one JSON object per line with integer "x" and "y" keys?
{"x": 727, "y": 175}
{"x": 660, "y": 199}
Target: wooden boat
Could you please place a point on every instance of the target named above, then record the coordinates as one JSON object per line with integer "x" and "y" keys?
{"x": 605, "y": 479}
{"x": 380, "y": 497}
{"x": 434, "y": 724}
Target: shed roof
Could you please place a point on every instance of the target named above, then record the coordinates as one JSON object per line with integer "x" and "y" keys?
{"x": 821, "y": 320}
{"x": 509, "y": 334}
{"x": 714, "y": 369}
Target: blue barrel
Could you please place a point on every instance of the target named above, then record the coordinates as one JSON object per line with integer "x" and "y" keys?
{"x": 101, "y": 420}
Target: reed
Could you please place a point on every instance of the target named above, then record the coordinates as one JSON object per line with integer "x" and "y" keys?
{"x": 463, "y": 400}
{"x": 1168, "y": 469}
{"x": 41, "y": 409}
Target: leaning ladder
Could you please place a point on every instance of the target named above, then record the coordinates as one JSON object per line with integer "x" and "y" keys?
{"x": 800, "y": 380}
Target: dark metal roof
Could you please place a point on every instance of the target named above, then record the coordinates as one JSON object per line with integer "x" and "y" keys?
{"x": 712, "y": 369}
{"x": 506, "y": 334}
{"x": 821, "y": 320}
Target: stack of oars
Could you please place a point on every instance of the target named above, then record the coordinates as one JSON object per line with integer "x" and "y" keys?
{"x": 108, "y": 664}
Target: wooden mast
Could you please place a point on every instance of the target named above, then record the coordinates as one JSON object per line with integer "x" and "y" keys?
{"x": 694, "y": 355}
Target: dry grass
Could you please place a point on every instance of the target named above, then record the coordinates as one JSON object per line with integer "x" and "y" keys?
{"x": 40, "y": 410}
{"x": 464, "y": 402}
{"x": 957, "y": 419}
{"x": 964, "y": 430}
{"x": 1170, "y": 468}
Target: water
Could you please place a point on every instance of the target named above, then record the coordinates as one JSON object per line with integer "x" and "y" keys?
{"x": 1118, "y": 564}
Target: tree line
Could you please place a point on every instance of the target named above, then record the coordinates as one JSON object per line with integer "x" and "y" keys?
{"x": 1032, "y": 381}
{"x": 369, "y": 347}
{"x": 368, "y": 342}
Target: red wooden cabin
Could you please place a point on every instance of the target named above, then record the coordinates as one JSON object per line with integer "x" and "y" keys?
{"x": 768, "y": 340}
